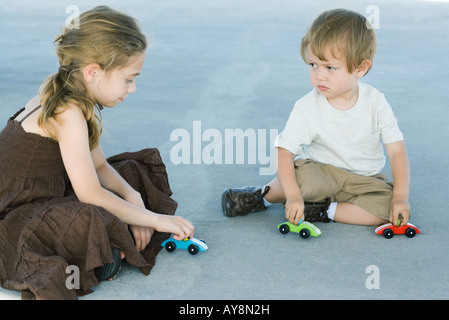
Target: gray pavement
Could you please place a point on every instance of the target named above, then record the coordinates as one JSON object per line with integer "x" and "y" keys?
{"x": 233, "y": 64}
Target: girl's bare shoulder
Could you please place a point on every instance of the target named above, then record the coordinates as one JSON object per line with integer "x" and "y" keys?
{"x": 70, "y": 123}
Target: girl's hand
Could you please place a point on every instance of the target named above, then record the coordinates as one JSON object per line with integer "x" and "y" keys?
{"x": 180, "y": 227}
{"x": 294, "y": 210}
{"x": 142, "y": 236}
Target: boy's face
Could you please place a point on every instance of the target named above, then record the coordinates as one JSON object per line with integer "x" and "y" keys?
{"x": 332, "y": 79}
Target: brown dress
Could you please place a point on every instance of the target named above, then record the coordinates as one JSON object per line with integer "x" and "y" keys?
{"x": 44, "y": 228}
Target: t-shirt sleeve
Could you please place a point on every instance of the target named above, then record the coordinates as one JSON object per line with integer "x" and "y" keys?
{"x": 297, "y": 131}
{"x": 387, "y": 123}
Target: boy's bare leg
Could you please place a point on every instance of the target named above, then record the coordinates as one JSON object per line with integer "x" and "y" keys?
{"x": 352, "y": 214}
{"x": 345, "y": 213}
{"x": 276, "y": 194}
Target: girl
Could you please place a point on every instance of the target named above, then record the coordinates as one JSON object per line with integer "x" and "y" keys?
{"x": 61, "y": 202}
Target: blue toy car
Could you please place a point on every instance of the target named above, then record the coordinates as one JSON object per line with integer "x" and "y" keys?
{"x": 192, "y": 245}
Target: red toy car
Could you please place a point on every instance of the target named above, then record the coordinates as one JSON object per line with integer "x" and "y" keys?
{"x": 388, "y": 230}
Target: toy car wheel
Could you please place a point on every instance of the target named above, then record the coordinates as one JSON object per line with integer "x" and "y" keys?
{"x": 170, "y": 246}
{"x": 304, "y": 233}
{"x": 284, "y": 229}
{"x": 193, "y": 249}
{"x": 388, "y": 233}
{"x": 410, "y": 232}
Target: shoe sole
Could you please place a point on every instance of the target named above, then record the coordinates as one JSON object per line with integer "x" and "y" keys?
{"x": 110, "y": 270}
{"x": 224, "y": 197}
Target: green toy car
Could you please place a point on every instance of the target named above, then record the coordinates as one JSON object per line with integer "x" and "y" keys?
{"x": 305, "y": 229}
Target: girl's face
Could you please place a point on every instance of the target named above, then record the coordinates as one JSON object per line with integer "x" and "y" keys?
{"x": 113, "y": 87}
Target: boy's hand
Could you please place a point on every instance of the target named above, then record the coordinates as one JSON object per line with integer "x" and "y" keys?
{"x": 400, "y": 168}
{"x": 294, "y": 210}
{"x": 398, "y": 207}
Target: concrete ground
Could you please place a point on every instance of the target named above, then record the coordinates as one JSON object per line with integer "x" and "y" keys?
{"x": 219, "y": 66}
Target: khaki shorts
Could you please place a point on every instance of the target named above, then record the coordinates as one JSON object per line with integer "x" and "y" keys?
{"x": 318, "y": 181}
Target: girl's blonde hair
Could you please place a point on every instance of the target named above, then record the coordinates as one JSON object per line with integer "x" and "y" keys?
{"x": 104, "y": 36}
{"x": 341, "y": 30}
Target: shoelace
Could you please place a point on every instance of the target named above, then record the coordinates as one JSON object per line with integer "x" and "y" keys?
{"x": 317, "y": 211}
{"x": 250, "y": 201}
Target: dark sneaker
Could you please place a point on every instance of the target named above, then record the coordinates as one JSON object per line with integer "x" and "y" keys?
{"x": 110, "y": 270}
{"x": 317, "y": 211}
{"x": 241, "y": 201}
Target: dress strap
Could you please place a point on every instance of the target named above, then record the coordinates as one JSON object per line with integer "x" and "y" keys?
{"x": 32, "y": 111}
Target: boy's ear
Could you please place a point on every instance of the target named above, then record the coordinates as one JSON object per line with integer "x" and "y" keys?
{"x": 363, "y": 68}
{"x": 91, "y": 71}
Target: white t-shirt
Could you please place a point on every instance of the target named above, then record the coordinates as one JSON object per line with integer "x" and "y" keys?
{"x": 349, "y": 139}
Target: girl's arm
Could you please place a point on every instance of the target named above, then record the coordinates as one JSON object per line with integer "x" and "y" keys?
{"x": 400, "y": 169}
{"x": 111, "y": 180}
{"x": 294, "y": 205}
{"x": 73, "y": 140}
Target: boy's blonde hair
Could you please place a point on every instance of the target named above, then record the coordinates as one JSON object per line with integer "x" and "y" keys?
{"x": 343, "y": 31}
{"x": 104, "y": 36}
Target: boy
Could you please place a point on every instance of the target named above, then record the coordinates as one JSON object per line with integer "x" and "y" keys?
{"x": 336, "y": 131}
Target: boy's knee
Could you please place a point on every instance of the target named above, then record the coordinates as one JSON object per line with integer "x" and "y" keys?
{"x": 314, "y": 180}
